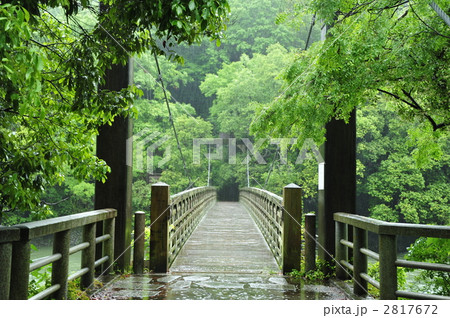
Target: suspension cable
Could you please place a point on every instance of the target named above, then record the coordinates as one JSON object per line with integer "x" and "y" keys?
{"x": 271, "y": 168}
{"x": 209, "y": 164}
{"x": 170, "y": 113}
{"x": 313, "y": 21}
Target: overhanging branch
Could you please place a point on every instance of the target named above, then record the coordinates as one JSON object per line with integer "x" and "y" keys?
{"x": 413, "y": 103}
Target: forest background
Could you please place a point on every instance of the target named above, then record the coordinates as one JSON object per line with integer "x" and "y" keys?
{"x": 216, "y": 92}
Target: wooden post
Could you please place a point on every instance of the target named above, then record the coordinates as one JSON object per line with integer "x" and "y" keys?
{"x": 88, "y": 255}
{"x": 388, "y": 270}
{"x": 341, "y": 250}
{"x": 292, "y": 216}
{"x": 20, "y": 269}
{"x": 139, "y": 242}
{"x": 7, "y": 236}
{"x": 108, "y": 246}
{"x": 310, "y": 242}
{"x": 159, "y": 215}
{"x": 5, "y": 269}
{"x": 60, "y": 268}
{"x": 359, "y": 261}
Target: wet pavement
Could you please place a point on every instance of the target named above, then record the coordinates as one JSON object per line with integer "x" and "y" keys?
{"x": 214, "y": 287}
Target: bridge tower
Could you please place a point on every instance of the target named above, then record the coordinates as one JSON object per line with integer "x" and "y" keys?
{"x": 339, "y": 178}
{"x": 115, "y": 193}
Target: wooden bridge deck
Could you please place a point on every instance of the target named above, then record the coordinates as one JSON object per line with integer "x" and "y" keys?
{"x": 227, "y": 240}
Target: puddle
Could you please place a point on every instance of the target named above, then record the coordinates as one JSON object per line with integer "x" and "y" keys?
{"x": 278, "y": 280}
{"x": 273, "y": 286}
{"x": 196, "y": 278}
{"x": 168, "y": 279}
{"x": 220, "y": 285}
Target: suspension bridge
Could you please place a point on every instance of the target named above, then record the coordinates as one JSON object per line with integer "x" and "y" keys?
{"x": 199, "y": 246}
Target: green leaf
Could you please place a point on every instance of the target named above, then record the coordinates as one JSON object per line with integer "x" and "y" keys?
{"x": 192, "y": 5}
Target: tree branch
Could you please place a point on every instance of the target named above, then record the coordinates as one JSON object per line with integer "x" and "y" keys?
{"x": 432, "y": 29}
{"x": 413, "y": 103}
{"x": 397, "y": 97}
{"x": 55, "y": 203}
{"x": 58, "y": 90}
{"x": 47, "y": 46}
{"x": 431, "y": 120}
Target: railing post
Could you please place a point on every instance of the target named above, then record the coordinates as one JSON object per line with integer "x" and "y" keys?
{"x": 359, "y": 261}
{"x": 388, "y": 269}
{"x": 159, "y": 215}
{"x": 5, "y": 269}
{"x": 99, "y": 248}
{"x": 139, "y": 242}
{"x": 20, "y": 266}
{"x": 20, "y": 270}
{"x": 310, "y": 242}
{"x": 341, "y": 250}
{"x": 108, "y": 246}
{"x": 88, "y": 255}
{"x": 60, "y": 268}
{"x": 292, "y": 215}
{"x": 7, "y": 236}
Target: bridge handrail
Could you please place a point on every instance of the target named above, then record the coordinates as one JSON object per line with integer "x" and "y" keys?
{"x": 173, "y": 219}
{"x": 391, "y": 228}
{"x": 267, "y": 211}
{"x": 387, "y": 255}
{"x": 14, "y": 278}
{"x": 187, "y": 209}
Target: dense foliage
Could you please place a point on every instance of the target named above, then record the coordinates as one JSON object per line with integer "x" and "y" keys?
{"x": 393, "y": 52}
{"x": 432, "y": 250}
{"x": 252, "y": 28}
{"x": 54, "y": 57}
{"x": 391, "y": 186}
{"x": 244, "y": 76}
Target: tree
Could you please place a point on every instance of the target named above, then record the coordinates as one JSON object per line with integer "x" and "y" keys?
{"x": 391, "y": 186}
{"x": 236, "y": 88}
{"x": 252, "y": 28}
{"x": 239, "y": 84}
{"x": 52, "y": 66}
{"x": 174, "y": 174}
{"x": 376, "y": 52}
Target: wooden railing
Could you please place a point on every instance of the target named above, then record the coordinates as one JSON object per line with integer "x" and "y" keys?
{"x": 266, "y": 209}
{"x": 186, "y": 211}
{"x": 15, "y": 253}
{"x": 173, "y": 219}
{"x": 279, "y": 220}
{"x": 387, "y": 253}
